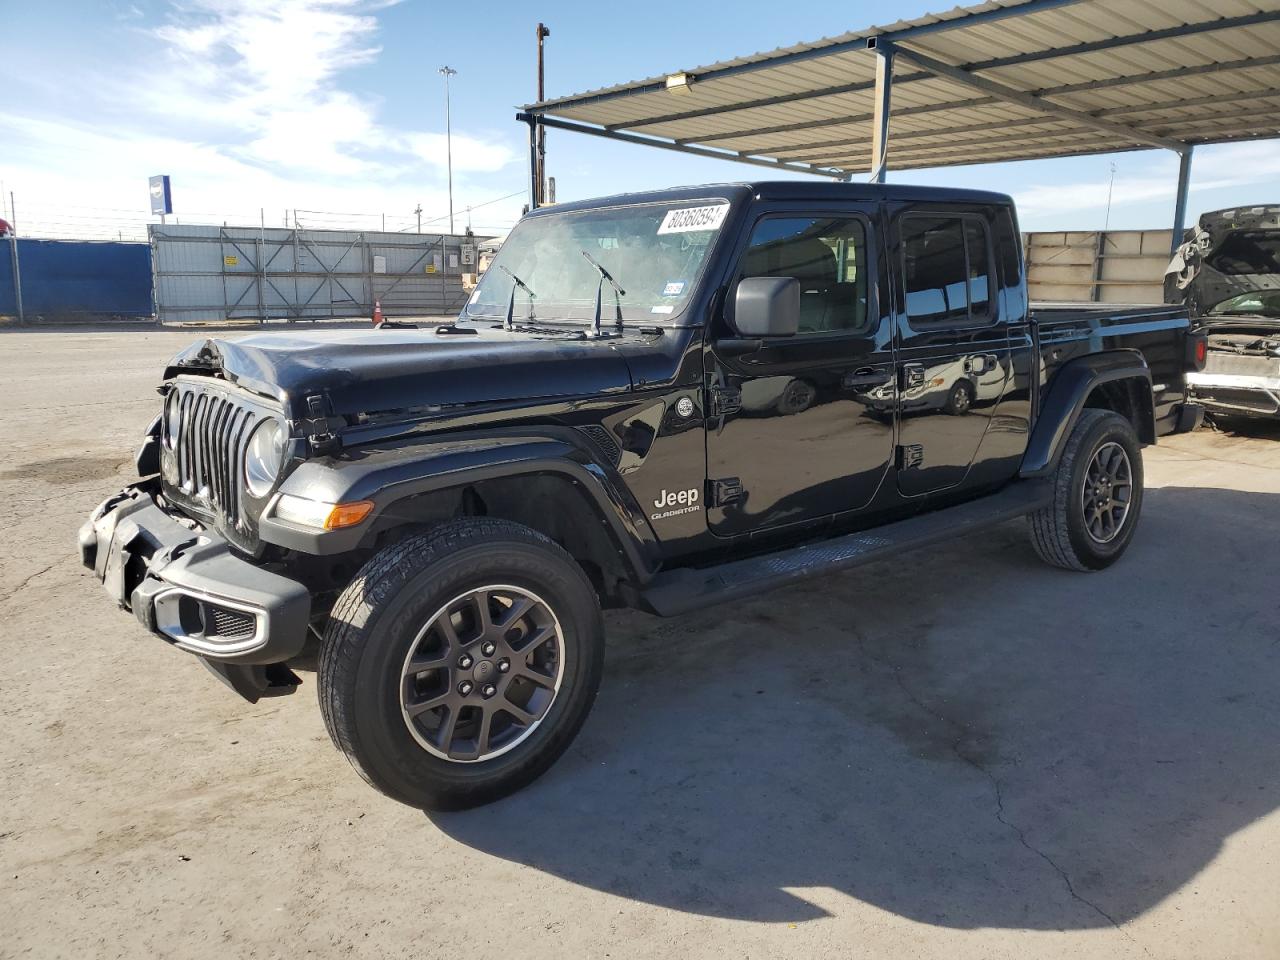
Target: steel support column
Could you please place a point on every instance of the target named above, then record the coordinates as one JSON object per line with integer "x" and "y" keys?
{"x": 1180, "y": 204}
{"x": 534, "y": 173}
{"x": 880, "y": 118}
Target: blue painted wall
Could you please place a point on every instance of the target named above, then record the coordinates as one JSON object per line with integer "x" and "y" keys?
{"x": 63, "y": 278}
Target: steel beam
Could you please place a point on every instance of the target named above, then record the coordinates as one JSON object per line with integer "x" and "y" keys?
{"x": 880, "y": 119}
{"x": 557, "y": 124}
{"x": 1128, "y": 80}
{"x": 1033, "y": 102}
{"x": 854, "y": 43}
{"x": 1110, "y": 43}
{"x": 797, "y": 151}
{"x": 947, "y": 139}
{"x": 1180, "y": 203}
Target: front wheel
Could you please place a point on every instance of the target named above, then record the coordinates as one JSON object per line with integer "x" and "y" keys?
{"x": 1097, "y": 495}
{"x": 460, "y": 663}
{"x": 960, "y": 399}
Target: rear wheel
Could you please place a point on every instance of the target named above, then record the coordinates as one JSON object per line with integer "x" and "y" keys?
{"x": 1097, "y": 495}
{"x": 460, "y": 663}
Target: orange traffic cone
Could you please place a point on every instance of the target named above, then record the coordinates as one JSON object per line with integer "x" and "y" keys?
{"x": 377, "y": 313}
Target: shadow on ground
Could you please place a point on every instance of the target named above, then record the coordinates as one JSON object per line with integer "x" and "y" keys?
{"x": 964, "y": 738}
{"x": 1261, "y": 428}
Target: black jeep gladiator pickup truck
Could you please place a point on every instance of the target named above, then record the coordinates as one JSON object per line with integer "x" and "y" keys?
{"x": 658, "y": 401}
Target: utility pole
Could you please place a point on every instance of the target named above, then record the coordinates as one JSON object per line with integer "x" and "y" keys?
{"x": 447, "y": 72}
{"x": 1106, "y": 220}
{"x": 418, "y": 211}
{"x": 541, "y": 172}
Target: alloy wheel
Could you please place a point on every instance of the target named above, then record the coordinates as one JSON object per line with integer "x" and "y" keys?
{"x": 1107, "y": 492}
{"x": 482, "y": 673}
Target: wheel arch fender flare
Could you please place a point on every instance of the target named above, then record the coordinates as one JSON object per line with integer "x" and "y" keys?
{"x": 395, "y": 473}
{"x": 1069, "y": 394}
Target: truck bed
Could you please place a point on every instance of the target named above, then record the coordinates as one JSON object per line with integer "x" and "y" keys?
{"x": 1157, "y": 330}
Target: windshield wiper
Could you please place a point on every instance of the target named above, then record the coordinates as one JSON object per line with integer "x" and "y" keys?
{"x": 511, "y": 303}
{"x": 618, "y": 293}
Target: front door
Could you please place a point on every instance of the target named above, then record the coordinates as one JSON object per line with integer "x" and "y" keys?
{"x": 953, "y": 355}
{"x": 801, "y": 427}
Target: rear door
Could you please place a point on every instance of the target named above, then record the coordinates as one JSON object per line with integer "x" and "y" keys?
{"x": 796, "y": 435}
{"x": 953, "y": 357}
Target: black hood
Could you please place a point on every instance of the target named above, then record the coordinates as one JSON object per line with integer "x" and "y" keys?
{"x": 1226, "y": 254}
{"x": 386, "y": 371}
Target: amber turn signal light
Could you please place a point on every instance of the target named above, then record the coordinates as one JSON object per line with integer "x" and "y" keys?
{"x": 347, "y": 514}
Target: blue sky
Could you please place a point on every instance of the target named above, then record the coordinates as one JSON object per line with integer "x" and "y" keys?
{"x": 335, "y": 107}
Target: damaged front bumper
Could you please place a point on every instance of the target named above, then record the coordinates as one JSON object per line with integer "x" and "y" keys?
{"x": 192, "y": 590}
{"x": 1237, "y": 394}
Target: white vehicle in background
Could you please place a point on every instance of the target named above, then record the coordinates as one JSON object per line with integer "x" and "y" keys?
{"x": 953, "y": 387}
{"x": 1228, "y": 274}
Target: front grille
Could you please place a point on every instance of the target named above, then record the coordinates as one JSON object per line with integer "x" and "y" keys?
{"x": 1241, "y": 365}
{"x": 210, "y": 447}
{"x": 205, "y": 478}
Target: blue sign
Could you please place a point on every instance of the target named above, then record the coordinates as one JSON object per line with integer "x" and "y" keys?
{"x": 161, "y": 198}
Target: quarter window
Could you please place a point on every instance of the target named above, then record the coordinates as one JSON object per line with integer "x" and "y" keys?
{"x": 828, "y": 256}
{"x": 946, "y": 270}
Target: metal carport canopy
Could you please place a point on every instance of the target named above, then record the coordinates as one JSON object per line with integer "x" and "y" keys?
{"x": 1003, "y": 80}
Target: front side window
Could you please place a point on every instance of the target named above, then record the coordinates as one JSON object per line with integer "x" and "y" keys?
{"x": 946, "y": 270}
{"x": 655, "y": 252}
{"x": 827, "y": 255}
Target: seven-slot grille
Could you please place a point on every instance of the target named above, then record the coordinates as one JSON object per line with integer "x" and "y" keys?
{"x": 210, "y": 448}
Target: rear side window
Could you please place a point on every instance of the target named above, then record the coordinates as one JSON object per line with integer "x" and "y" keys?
{"x": 946, "y": 270}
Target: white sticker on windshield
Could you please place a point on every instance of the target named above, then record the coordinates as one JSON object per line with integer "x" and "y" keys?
{"x": 662, "y": 309}
{"x": 693, "y": 219}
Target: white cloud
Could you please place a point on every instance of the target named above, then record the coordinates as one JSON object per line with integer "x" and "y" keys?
{"x": 245, "y": 106}
{"x": 1212, "y": 168}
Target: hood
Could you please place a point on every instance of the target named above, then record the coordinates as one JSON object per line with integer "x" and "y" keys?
{"x": 1227, "y": 254}
{"x": 401, "y": 370}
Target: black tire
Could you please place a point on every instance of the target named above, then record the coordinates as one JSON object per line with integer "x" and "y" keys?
{"x": 960, "y": 399}
{"x": 377, "y": 621}
{"x": 797, "y": 397}
{"x": 1060, "y": 532}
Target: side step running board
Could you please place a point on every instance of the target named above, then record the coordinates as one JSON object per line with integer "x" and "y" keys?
{"x": 678, "y": 591}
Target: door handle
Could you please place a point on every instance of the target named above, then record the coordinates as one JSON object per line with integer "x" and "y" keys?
{"x": 865, "y": 378}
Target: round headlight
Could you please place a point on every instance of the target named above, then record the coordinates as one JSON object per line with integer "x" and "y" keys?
{"x": 263, "y": 457}
{"x": 172, "y": 419}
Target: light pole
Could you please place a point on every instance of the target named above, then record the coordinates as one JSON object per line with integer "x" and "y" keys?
{"x": 447, "y": 72}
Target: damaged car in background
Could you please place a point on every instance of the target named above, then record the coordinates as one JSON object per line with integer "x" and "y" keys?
{"x": 1228, "y": 274}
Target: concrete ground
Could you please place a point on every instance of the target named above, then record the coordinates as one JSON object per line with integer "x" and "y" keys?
{"x": 960, "y": 754}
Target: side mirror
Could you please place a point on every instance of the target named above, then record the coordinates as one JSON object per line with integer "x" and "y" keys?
{"x": 767, "y": 307}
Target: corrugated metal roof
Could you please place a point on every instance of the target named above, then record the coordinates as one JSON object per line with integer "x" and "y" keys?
{"x": 1171, "y": 70}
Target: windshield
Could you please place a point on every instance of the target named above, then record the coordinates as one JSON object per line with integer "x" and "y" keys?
{"x": 1264, "y": 303}
{"x": 655, "y": 252}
